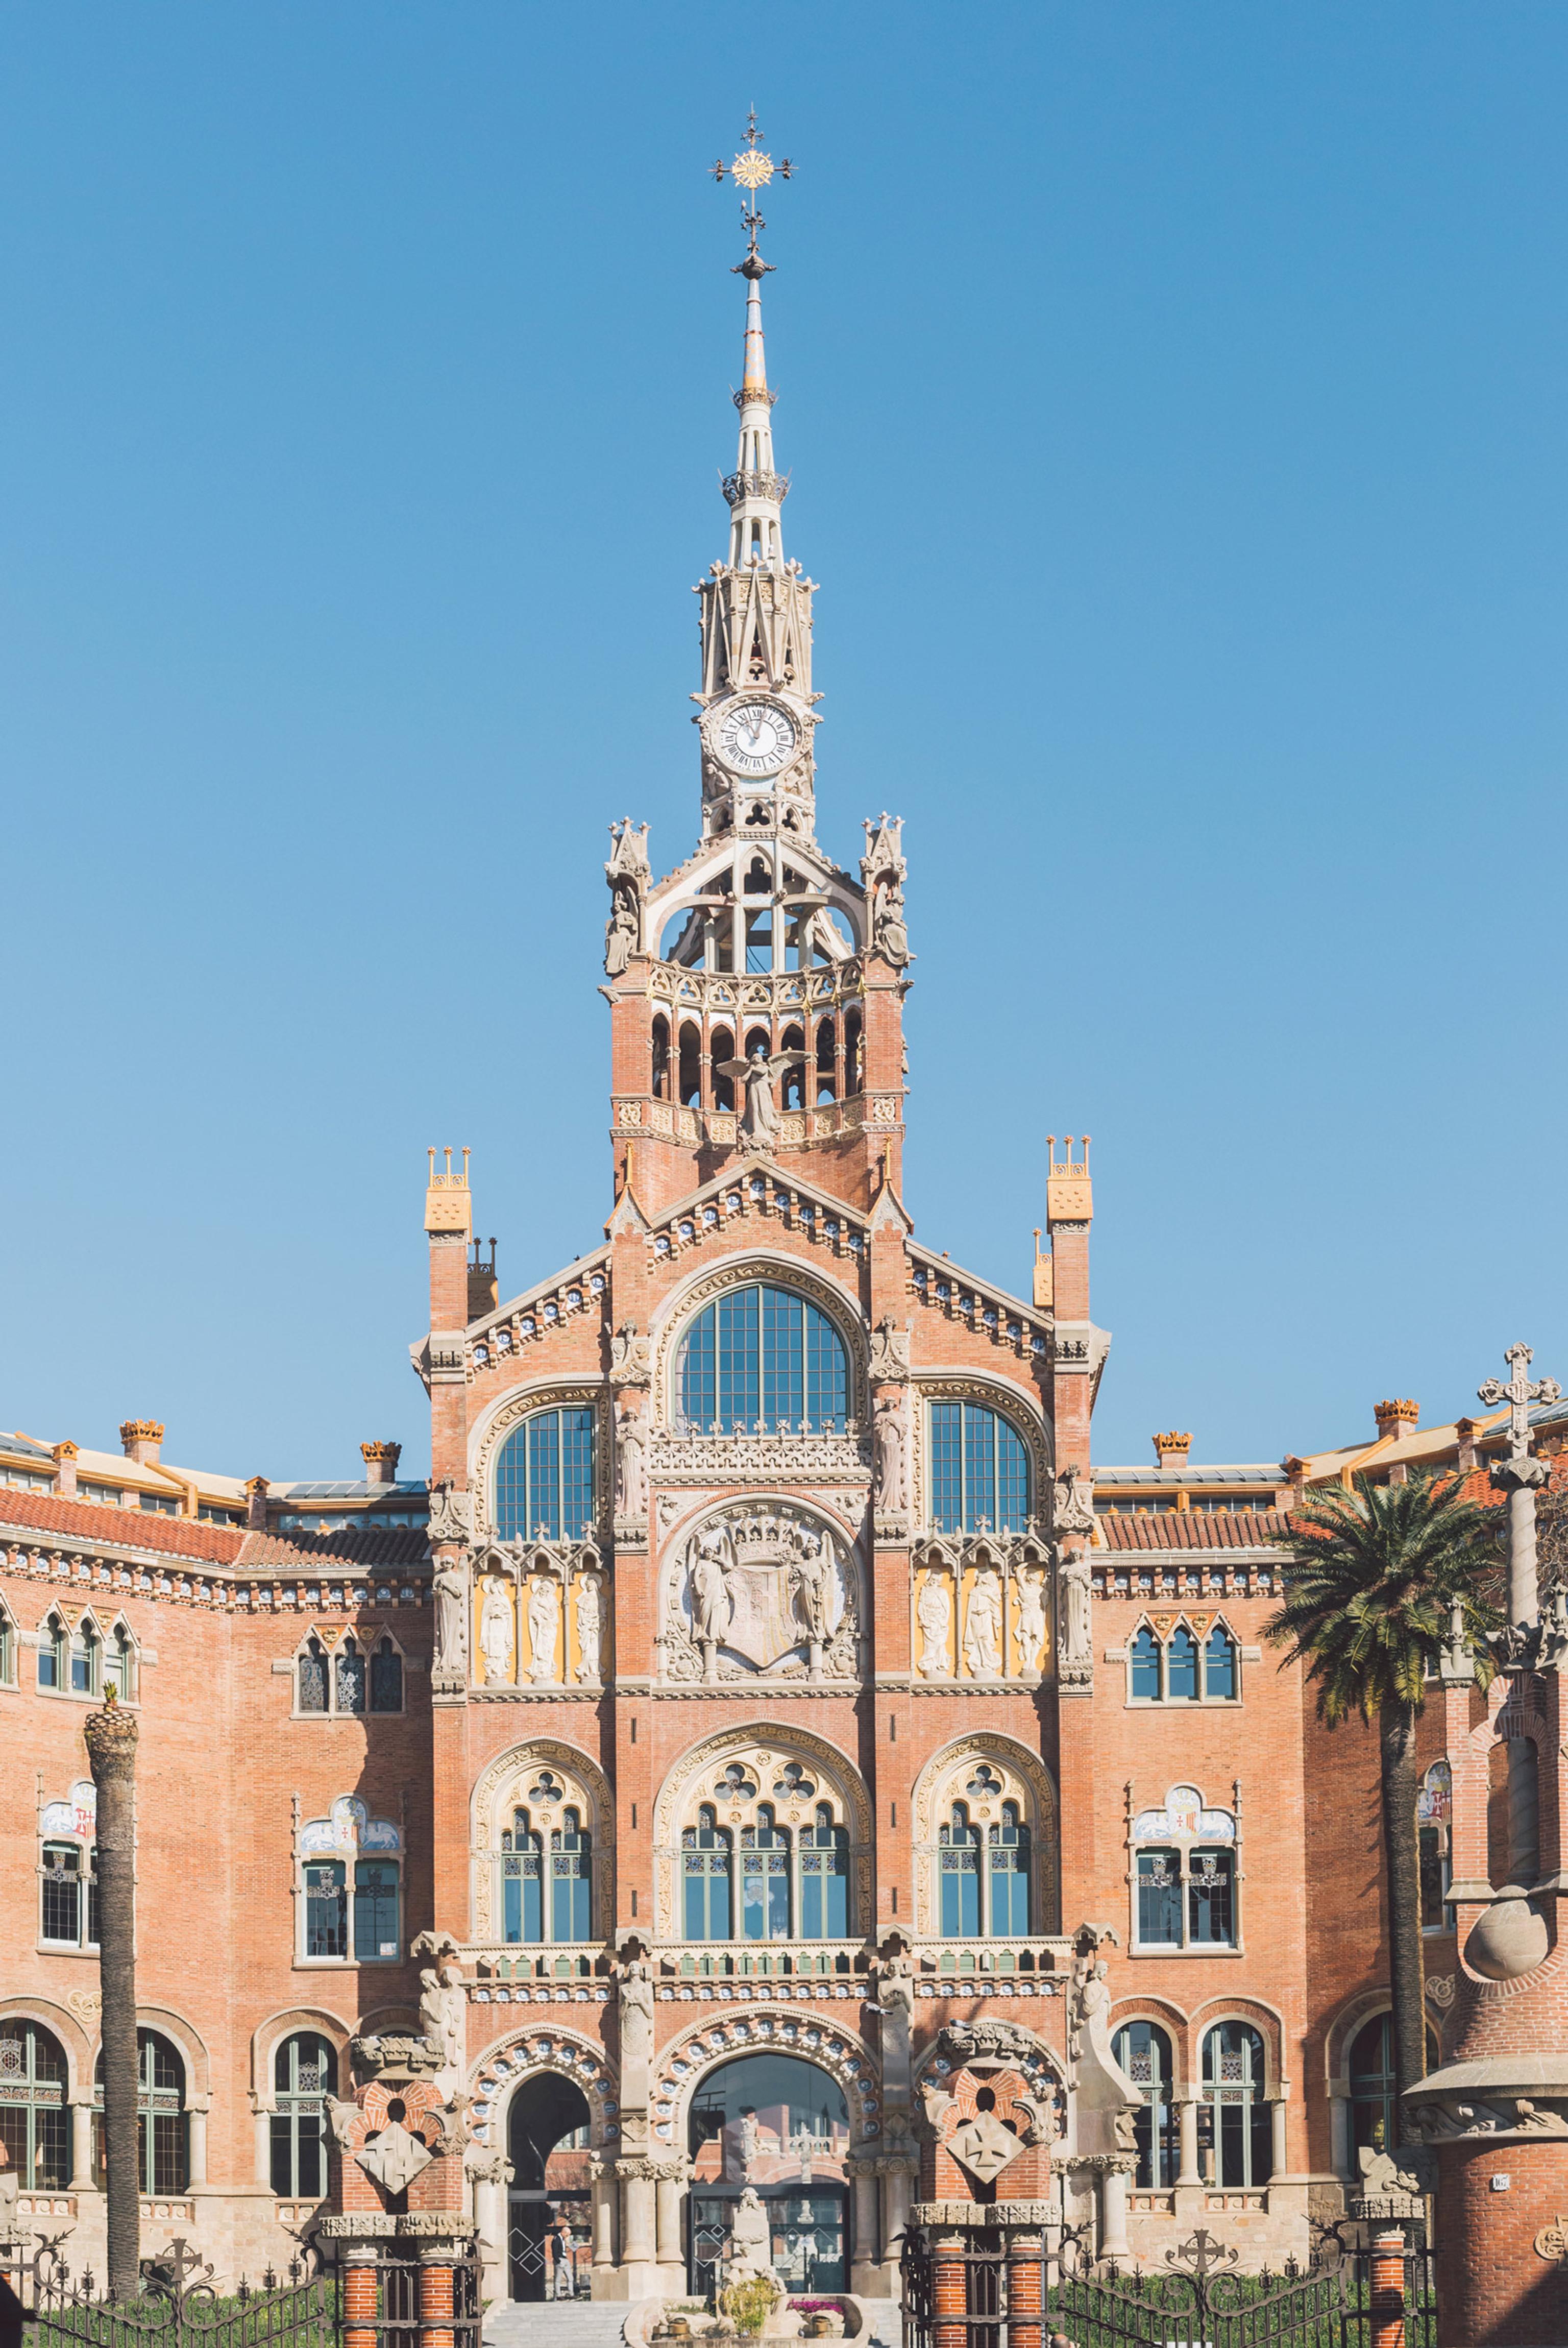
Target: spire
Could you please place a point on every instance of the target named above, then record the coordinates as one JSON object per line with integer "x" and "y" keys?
{"x": 756, "y": 490}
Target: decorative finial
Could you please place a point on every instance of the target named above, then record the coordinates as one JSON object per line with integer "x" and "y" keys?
{"x": 751, "y": 169}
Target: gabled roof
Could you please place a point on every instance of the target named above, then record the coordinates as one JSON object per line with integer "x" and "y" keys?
{"x": 87, "y": 1521}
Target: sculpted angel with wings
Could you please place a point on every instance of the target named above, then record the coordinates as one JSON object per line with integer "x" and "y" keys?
{"x": 757, "y": 1073}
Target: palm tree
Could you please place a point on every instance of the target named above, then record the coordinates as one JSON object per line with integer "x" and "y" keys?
{"x": 1380, "y": 1579}
{"x": 110, "y": 1736}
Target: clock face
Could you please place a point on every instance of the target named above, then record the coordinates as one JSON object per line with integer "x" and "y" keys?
{"x": 756, "y": 737}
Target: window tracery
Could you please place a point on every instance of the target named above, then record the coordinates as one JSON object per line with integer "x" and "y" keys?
{"x": 54, "y": 1653}
{"x": 1184, "y": 1875}
{"x": 67, "y": 1871}
{"x": 762, "y": 1843}
{"x": 543, "y": 1835}
{"x": 304, "y": 2074}
{"x": 985, "y": 1824}
{"x": 350, "y": 1868}
{"x": 340, "y": 1674}
{"x": 1183, "y": 1659}
{"x": 34, "y": 2121}
{"x": 162, "y": 2140}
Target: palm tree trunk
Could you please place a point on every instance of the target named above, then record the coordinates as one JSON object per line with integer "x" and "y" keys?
{"x": 1402, "y": 1844}
{"x": 112, "y": 1752}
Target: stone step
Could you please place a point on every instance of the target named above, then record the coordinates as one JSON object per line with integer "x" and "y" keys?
{"x": 554, "y": 2324}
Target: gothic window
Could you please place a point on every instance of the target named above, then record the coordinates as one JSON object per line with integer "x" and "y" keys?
{"x": 1144, "y": 2051}
{"x": 1176, "y": 1669}
{"x": 660, "y": 1059}
{"x": 958, "y": 1875}
{"x": 522, "y": 1880}
{"x": 796, "y": 1080}
{"x": 375, "y": 1933}
{"x": 69, "y": 1903}
{"x": 305, "y": 2073}
{"x": 826, "y": 1062}
{"x": 690, "y": 1071}
{"x": 851, "y": 1054}
{"x": 1184, "y": 1878}
{"x": 824, "y": 1879}
{"x": 1235, "y": 2138}
{"x": 54, "y": 1649}
{"x": 34, "y": 2124}
{"x": 723, "y": 1048}
{"x": 543, "y": 1477}
{"x": 163, "y": 2159}
{"x": 980, "y": 1471}
{"x": 765, "y": 1879}
{"x": 326, "y": 1909}
{"x": 571, "y": 1880}
{"x": 759, "y": 940}
{"x": 349, "y": 1678}
{"x": 761, "y": 1357}
{"x": 1434, "y": 1815}
{"x": 311, "y": 1674}
{"x": 386, "y": 1678}
{"x": 120, "y": 1663}
{"x": 85, "y": 1654}
{"x": 705, "y": 1865}
{"x": 1007, "y": 1877}
{"x": 539, "y": 1884}
{"x": 8, "y": 1650}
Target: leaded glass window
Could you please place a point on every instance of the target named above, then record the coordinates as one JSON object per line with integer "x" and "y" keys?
{"x": 326, "y": 1909}
{"x": 765, "y": 1879}
{"x": 386, "y": 1679}
{"x": 1144, "y": 2051}
{"x": 958, "y": 1874}
{"x": 1008, "y": 1856}
{"x": 375, "y": 1934}
{"x": 980, "y": 1471}
{"x": 1234, "y": 2118}
{"x": 1160, "y": 1899}
{"x": 350, "y": 1679}
{"x": 313, "y": 1678}
{"x": 571, "y": 1880}
{"x": 824, "y": 1879}
{"x": 161, "y": 2153}
{"x": 763, "y": 1358}
{"x": 705, "y": 1866}
{"x": 543, "y": 1477}
{"x": 305, "y": 2073}
{"x": 1210, "y": 1908}
{"x": 522, "y": 1880}
{"x": 34, "y": 2124}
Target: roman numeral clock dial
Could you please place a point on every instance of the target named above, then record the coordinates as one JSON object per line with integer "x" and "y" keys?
{"x": 756, "y": 737}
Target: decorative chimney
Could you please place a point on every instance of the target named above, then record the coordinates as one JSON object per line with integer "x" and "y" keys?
{"x": 484, "y": 1289}
{"x": 1396, "y": 1418}
{"x": 1171, "y": 1450}
{"x": 256, "y": 1504}
{"x": 65, "y": 1471}
{"x": 381, "y": 1461}
{"x": 141, "y": 1439}
{"x": 1465, "y": 1432}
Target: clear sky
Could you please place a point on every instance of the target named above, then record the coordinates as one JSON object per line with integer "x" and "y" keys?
{"x": 1177, "y": 407}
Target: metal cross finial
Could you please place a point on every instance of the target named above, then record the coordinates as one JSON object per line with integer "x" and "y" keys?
{"x": 1519, "y": 1394}
{"x": 751, "y": 169}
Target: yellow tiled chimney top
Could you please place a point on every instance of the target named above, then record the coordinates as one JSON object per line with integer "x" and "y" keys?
{"x": 1171, "y": 1450}
{"x": 1396, "y": 1418}
{"x": 448, "y": 1202}
{"x": 141, "y": 1439}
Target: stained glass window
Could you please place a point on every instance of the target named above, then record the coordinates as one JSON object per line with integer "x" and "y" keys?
{"x": 543, "y": 1477}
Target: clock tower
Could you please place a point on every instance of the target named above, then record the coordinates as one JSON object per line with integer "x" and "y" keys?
{"x": 757, "y": 990}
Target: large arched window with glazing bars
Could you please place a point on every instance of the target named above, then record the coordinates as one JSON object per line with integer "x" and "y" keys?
{"x": 763, "y": 1358}
{"x": 545, "y": 1477}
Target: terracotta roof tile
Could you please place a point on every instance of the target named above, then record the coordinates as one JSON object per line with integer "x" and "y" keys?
{"x": 304, "y": 1552}
{"x": 1194, "y": 1528}
{"x": 145, "y": 1528}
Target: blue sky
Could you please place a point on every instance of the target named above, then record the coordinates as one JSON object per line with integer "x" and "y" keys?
{"x": 1175, "y": 402}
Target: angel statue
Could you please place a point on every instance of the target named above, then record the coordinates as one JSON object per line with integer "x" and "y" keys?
{"x": 761, "y": 1117}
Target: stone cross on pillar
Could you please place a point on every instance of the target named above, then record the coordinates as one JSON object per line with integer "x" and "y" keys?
{"x": 1520, "y": 1476}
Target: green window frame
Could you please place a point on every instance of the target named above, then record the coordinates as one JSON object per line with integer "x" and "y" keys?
{"x": 376, "y": 1911}
{"x": 35, "y": 2121}
{"x": 304, "y": 2074}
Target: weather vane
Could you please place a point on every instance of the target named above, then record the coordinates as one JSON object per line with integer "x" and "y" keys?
{"x": 751, "y": 169}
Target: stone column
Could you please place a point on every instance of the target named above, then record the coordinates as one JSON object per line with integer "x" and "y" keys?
{"x": 81, "y": 2146}
{"x": 602, "y": 2175}
{"x": 1277, "y": 2119}
{"x": 1339, "y": 2136}
{"x": 1113, "y": 2211}
{"x": 668, "y": 2190}
{"x": 263, "y": 2147}
{"x": 196, "y": 2143}
{"x": 636, "y": 2217}
{"x": 1026, "y": 2296}
{"x": 1188, "y": 2173}
{"x": 895, "y": 2197}
{"x": 862, "y": 2174}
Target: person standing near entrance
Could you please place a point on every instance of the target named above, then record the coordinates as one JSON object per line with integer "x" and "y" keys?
{"x": 563, "y": 2281}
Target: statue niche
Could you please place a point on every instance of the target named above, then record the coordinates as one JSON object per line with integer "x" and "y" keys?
{"x": 770, "y": 1591}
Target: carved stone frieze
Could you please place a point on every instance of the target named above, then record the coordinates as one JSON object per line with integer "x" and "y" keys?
{"x": 679, "y": 1459}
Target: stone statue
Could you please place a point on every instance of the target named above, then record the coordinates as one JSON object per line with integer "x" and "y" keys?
{"x": 588, "y": 1627}
{"x": 1077, "y": 1635}
{"x": 620, "y": 931}
{"x": 495, "y": 1631}
{"x": 629, "y": 1360}
{"x": 751, "y": 2237}
{"x": 1030, "y": 1586}
{"x": 1074, "y": 1502}
{"x": 889, "y": 1441}
{"x": 442, "y": 2010}
{"x": 449, "y": 1587}
{"x": 934, "y": 1613}
{"x": 631, "y": 1468}
{"x": 635, "y": 2007}
{"x": 710, "y": 1587}
{"x": 811, "y": 1575}
{"x": 451, "y": 1514}
{"x": 890, "y": 935}
{"x": 890, "y": 1360}
{"x": 751, "y": 2136}
{"x": 983, "y": 1625}
{"x": 544, "y": 1623}
{"x": 761, "y": 1119}
{"x": 896, "y": 2000}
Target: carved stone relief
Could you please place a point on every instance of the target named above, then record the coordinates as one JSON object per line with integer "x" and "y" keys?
{"x": 772, "y": 1590}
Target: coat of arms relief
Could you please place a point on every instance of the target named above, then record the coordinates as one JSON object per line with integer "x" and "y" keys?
{"x": 769, "y": 1592}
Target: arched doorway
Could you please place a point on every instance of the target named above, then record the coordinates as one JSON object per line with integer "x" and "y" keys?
{"x": 781, "y": 2125}
{"x": 546, "y": 2144}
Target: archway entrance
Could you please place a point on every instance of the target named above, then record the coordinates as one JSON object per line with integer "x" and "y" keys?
{"x": 548, "y": 2226}
{"x": 781, "y": 2125}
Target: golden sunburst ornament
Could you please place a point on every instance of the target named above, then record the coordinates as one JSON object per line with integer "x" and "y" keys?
{"x": 752, "y": 168}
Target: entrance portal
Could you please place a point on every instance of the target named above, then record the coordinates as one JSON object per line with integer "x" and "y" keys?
{"x": 780, "y": 2126}
{"x": 548, "y": 2227}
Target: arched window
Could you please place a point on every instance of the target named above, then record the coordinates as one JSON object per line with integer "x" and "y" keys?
{"x": 1235, "y": 2138}
{"x": 8, "y": 1650}
{"x": 797, "y": 1079}
{"x": 84, "y": 1654}
{"x": 722, "y": 1047}
{"x": 826, "y": 1061}
{"x": 1219, "y": 1666}
{"x": 1434, "y": 1817}
{"x": 851, "y": 1054}
{"x": 386, "y": 1679}
{"x": 660, "y": 1059}
{"x": 979, "y": 1470}
{"x": 305, "y": 2073}
{"x": 349, "y": 1677}
{"x": 705, "y": 1866}
{"x": 765, "y": 1879}
{"x": 522, "y": 1880}
{"x": 162, "y": 2160}
{"x": 34, "y": 2124}
{"x": 312, "y": 1677}
{"x": 543, "y": 1477}
{"x": 1007, "y": 1874}
{"x": 119, "y": 1664}
{"x": 824, "y": 1879}
{"x": 1182, "y": 1666}
{"x": 761, "y": 1357}
{"x": 690, "y": 1073}
{"x": 53, "y": 1650}
{"x": 68, "y": 1919}
{"x": 571, "y": 1880}
{"x": 781, "y": 2125}
{"x": 1374, "y": 2087}
{"x": 958, "y": 1873}
{"x": 1143, "y": 2052}
{"x": 1145, "y": 1659}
